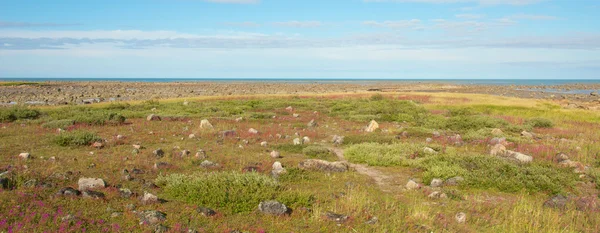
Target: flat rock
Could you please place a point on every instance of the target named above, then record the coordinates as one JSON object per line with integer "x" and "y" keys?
{"x": 322, "y": 165}
{"x": 272, "y": 207}
{"x": 90, "y": 183}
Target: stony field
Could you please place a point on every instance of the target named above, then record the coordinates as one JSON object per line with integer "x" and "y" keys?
{"x": 353, "y": 162}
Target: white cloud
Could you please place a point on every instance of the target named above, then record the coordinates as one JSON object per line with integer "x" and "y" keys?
{"x": 469, "y": 16}
{"x": 242, "y": 24}
{"x": 531, "y": 17}
{"x": 411, "y": 23}
{"x": 298, "y": 24}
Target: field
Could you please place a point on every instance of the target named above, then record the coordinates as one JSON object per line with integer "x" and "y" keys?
{"x": 437, "y": 162}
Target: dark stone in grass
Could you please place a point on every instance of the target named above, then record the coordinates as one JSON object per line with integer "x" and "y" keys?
{"x": 68, "y": 191}
{"x": 251, "y": 169}
{"x": 339, "y": 218}
{"x": 272, "y": 207}
{"x": 228, "y": 133}
{"x": 159, "y": 153}
{"x": 125, "y": 193}
{"x": 137, "y": 171}
{"x": 152, "y": 217}
{"x": 586, "y": 203}
{"x": 149, "y": 184}
{"x": 206, "y": 211}
{"x": 92, "y": 194}
{"x": 5, "y": 183}
{"x": 161, "y": 229}
{"x": 556, "y": 202}
{"x": 454, "y": 181}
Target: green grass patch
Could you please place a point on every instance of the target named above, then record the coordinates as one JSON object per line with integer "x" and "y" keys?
{"x": 58, "y": 124}
{"x": 290, "y": 148}
{"x": 12, "y": 84}
{"x": 317, "y": 152}
{"x": 539, "y": 122}
{"x": 230, "y": 191}
{"x": 376, "y": 137}
{"x": 376, "y": 154}
{"x": 76, "y": 138}
{"x": 18, "y": 113}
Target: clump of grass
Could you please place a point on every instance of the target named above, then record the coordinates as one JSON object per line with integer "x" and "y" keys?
{"x": 372, "y": 137}
{"x": 487, "y": 172}
{"x": 315, "y": 151}
{"x": 290, "y": 148}
{"x": 539, "y": 122}
{"x": 376, "y": 97}
{"x": 461, "y": 111}
{"x": 383, "y": 110}
{"x": 87, "y": 115}
{"x": 261, "y": 115}
{"x": 475, "y": 122}
{"x": 18, "y": 113}
{"x": 76, "y": 138}
{"x": 61, "y": 124}
{"x": 12, "y": 84}
{"x": 376, "y": 154}
{"x": 230, "y": 191}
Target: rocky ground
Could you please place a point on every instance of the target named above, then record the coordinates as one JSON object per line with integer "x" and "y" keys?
{"x": 61, "y": 93}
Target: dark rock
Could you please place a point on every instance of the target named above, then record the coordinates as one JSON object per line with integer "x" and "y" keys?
{"x": 137, "y": 171}
{"x": 556, "y": 202}
{"x": 159, "y": 153}
{"x": 206, "y": 211}
{"x": 272, "y": 207}
{"x": 125, "y": 193}
{"x": 339, "y": 218}
{"x": 228, "y": 133}
{"x": 68, "y": 191}
{"x": 5, "y": 183}
{"x": 92, "y": 194}
{"x": 151, "y": 217}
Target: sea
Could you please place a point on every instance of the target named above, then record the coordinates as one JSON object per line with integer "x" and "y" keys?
{"x": 323, "y": 80}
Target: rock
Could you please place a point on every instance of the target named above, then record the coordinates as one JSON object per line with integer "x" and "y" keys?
{"x": 68, "y": 191}
{"x": 228, "y": 133}
{"x": 5, "y": 183}
{"x": 272, "y": 207}
{"x": 428, "y": 150}
{"x": 560, "y": 157}
{"x": 527, "y": 134}
{"x": 153, "y": 117}
{"x": 454, "y": 181}
{"x": 239, "y": 119}
{"x": 297, "y": 141}
{"x": 337, "y": 140}
{"x": 497, "y": 140}
{"x": 497, "y": 131}
{"x": 137, "y": 146}
{"x": 436, "y": 134}
{"x": 556, "y": 202}
{"x": 498, "y": 150}
{"x": 120, "y": 137}
{"x": 322, "y": 165}
{"x": 289, "y": 108}
{"x": 305, "y": 140}
{"x": 411, "y": 185}
{"x": 277, "y": 170}
{"x": 586, "y": 204}
{"x": 428, "y": 140}
{"x": 24, "y": 155}
{"x": 185, "y": 153}
{"x": 205, "y": 124}
{"x": 159, "y": 153}
{"x": 115, "y": 214}
{"x": 125, "y": 193}
{"x": 372, "y": 221}
{"x": 296, "y": 115}
{"x": 152, "y": 217}
{"x": 594, "y": 93}
{"x": 275, "y": 154}
{"x": 456, "y": 139}
{"x": 373, "y": 125}
{"x": 312, "y": 123}
{"x": 208, "y": 164}
{"x": 263, "y": 143}
{"x": 161, "y": 165}
{"x": 579, "y": 167}
{"x": 436, "y": 183}
{"x": 92, "y": 194}
{"x": 201, "y": 154}
{"x": 206, "y": 211}
{"x": 90, "y": 183}
{"x": 339, "y": 218}
{"x": 149, "y": 198}
{"x": 186, "y": 103}
{"x": 519, "y": 157}
{"x": 437, "y": 195}
{"x": 252, "y": 131}
{"x": 460, "y": 217}
{"x": 192, "y": 136}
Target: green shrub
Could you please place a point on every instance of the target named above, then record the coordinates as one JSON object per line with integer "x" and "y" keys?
{"x": 118, "y": 106}
{"x": 465, "y": 123}
{"x": 76, "y": 138}
{"x": 17, "y": 113}
{"x": 376, "y": 97}
{"x": 487, "y": 172}
{"x": 384, "y": 110}
{"x": 376, "y": 154}
{"x": 58, "y": 124}
{"x": 290, "y": 148}
{"x": 376, "y": 137}
{"x": 461, "y": 111}
{"x": 261, "y": 115}
{"x": 539, "y": 123}
{"x": 315, "y": 151}
{"x": 230, "y": 191}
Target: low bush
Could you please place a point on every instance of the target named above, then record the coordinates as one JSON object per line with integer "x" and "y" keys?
{"x": 230, "y": 191}
{"x": 376, "y": 97}
{"x": 58, "y": 124}
{"x": 461, "y": 111}
{"x": 76, "y": 138}
{"x": 290, "y": 148}
{"x": 539, "y": 123}
{"x": 376, "y": 154}
{"x": 371, "y": 137}
{"x": 17, "y": 113}
{"x": 476, "y": 122}
{"x": 318, "y": 152}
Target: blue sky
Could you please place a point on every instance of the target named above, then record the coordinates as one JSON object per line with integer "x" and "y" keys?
{"x": 489, "y": 39}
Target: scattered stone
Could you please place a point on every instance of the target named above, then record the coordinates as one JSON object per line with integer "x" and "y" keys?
{"x": 428, "y": 140}
{"x": 372, "y": 221}
{"x": 436, "y": 134}
{"x": 296, "y": 115}
{"x": 161, "y": 165}
{"x": 527, "y": 134}
{"x": 297, "y": 141}
{"x": 428, "y": 150}
{"x": 206, "y": 211}
{"x": 325, "y": 166}
{"x": 205, "y": 124}
{"x": 153, "y": 117}
{"x": 120, "y": 137}
{"x": 497, "y": 131}
{"x": 411, "y": 185}
{"x": 560, "y": 157}
{"x": 436, "y": 183}
{"x": 68, "y": 191}
{"x": 228, "y": 133}
{"x": 305, "y": 140}
{"x": 92, "y": 194}
{"x": 185, "y": 153}
{"x": 192, "y": 136}
{"x": 339, "y": 218}
{"x": 137, "y": 146}
{"x": 312, "y": 123}
{"x": 277, "y": 169}
{"x": 519, "y": 157}
{"x": 25, "y": 155}
{"x": 159, "y": 153}
{"x": 497, "y": 140}
{"x": 263, "y": 143}
{"x": 208, "y": 164}
{"x": 556, "y": 202}
{"x": 239, "y": 119}
{"x": 460, "y": 217}
{"x": 152, "y": 217}
{"x": 337, "y": 140}
{"x": 201, "y": 154}
{"x": 498, "y": 150}
{"x": 90, "y": 183}
{"x": 272, "y": 207}
{"x": 116, "y": 214}
{"x": 275, "y": 154}
{"x": 125, "y": 193}
{"x": 149, "y": 198}
{"x": 289, "y": 108}
{"x": 437, "y": 195}
{"x": 454, "y": 181}
{"x": 373, "y": 125}
{"x": 252, "y": 131}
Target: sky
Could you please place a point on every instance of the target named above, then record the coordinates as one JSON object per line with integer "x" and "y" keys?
{"x": 380, "y": 39}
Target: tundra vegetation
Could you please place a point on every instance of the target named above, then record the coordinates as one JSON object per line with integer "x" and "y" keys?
{"x": 436, "y": 163}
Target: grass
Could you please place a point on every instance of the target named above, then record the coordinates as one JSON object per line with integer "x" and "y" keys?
{"x": 18, "y": 113}
{"x": 76, "y": 138}
{"x": 375, "y": 154}
{"x": 317, "y": 152}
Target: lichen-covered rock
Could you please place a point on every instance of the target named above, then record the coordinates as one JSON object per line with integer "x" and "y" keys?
{"x": 322, "y": 165}
{"x": 272, "y": 207}
{"x": 90, "y": 183}
{"x": 151, "y": 217}
{"x": 205, "y": 124}
{"x": 372, "y": 126}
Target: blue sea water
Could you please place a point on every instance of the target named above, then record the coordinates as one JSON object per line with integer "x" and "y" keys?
{"x": 325, "y": 80}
